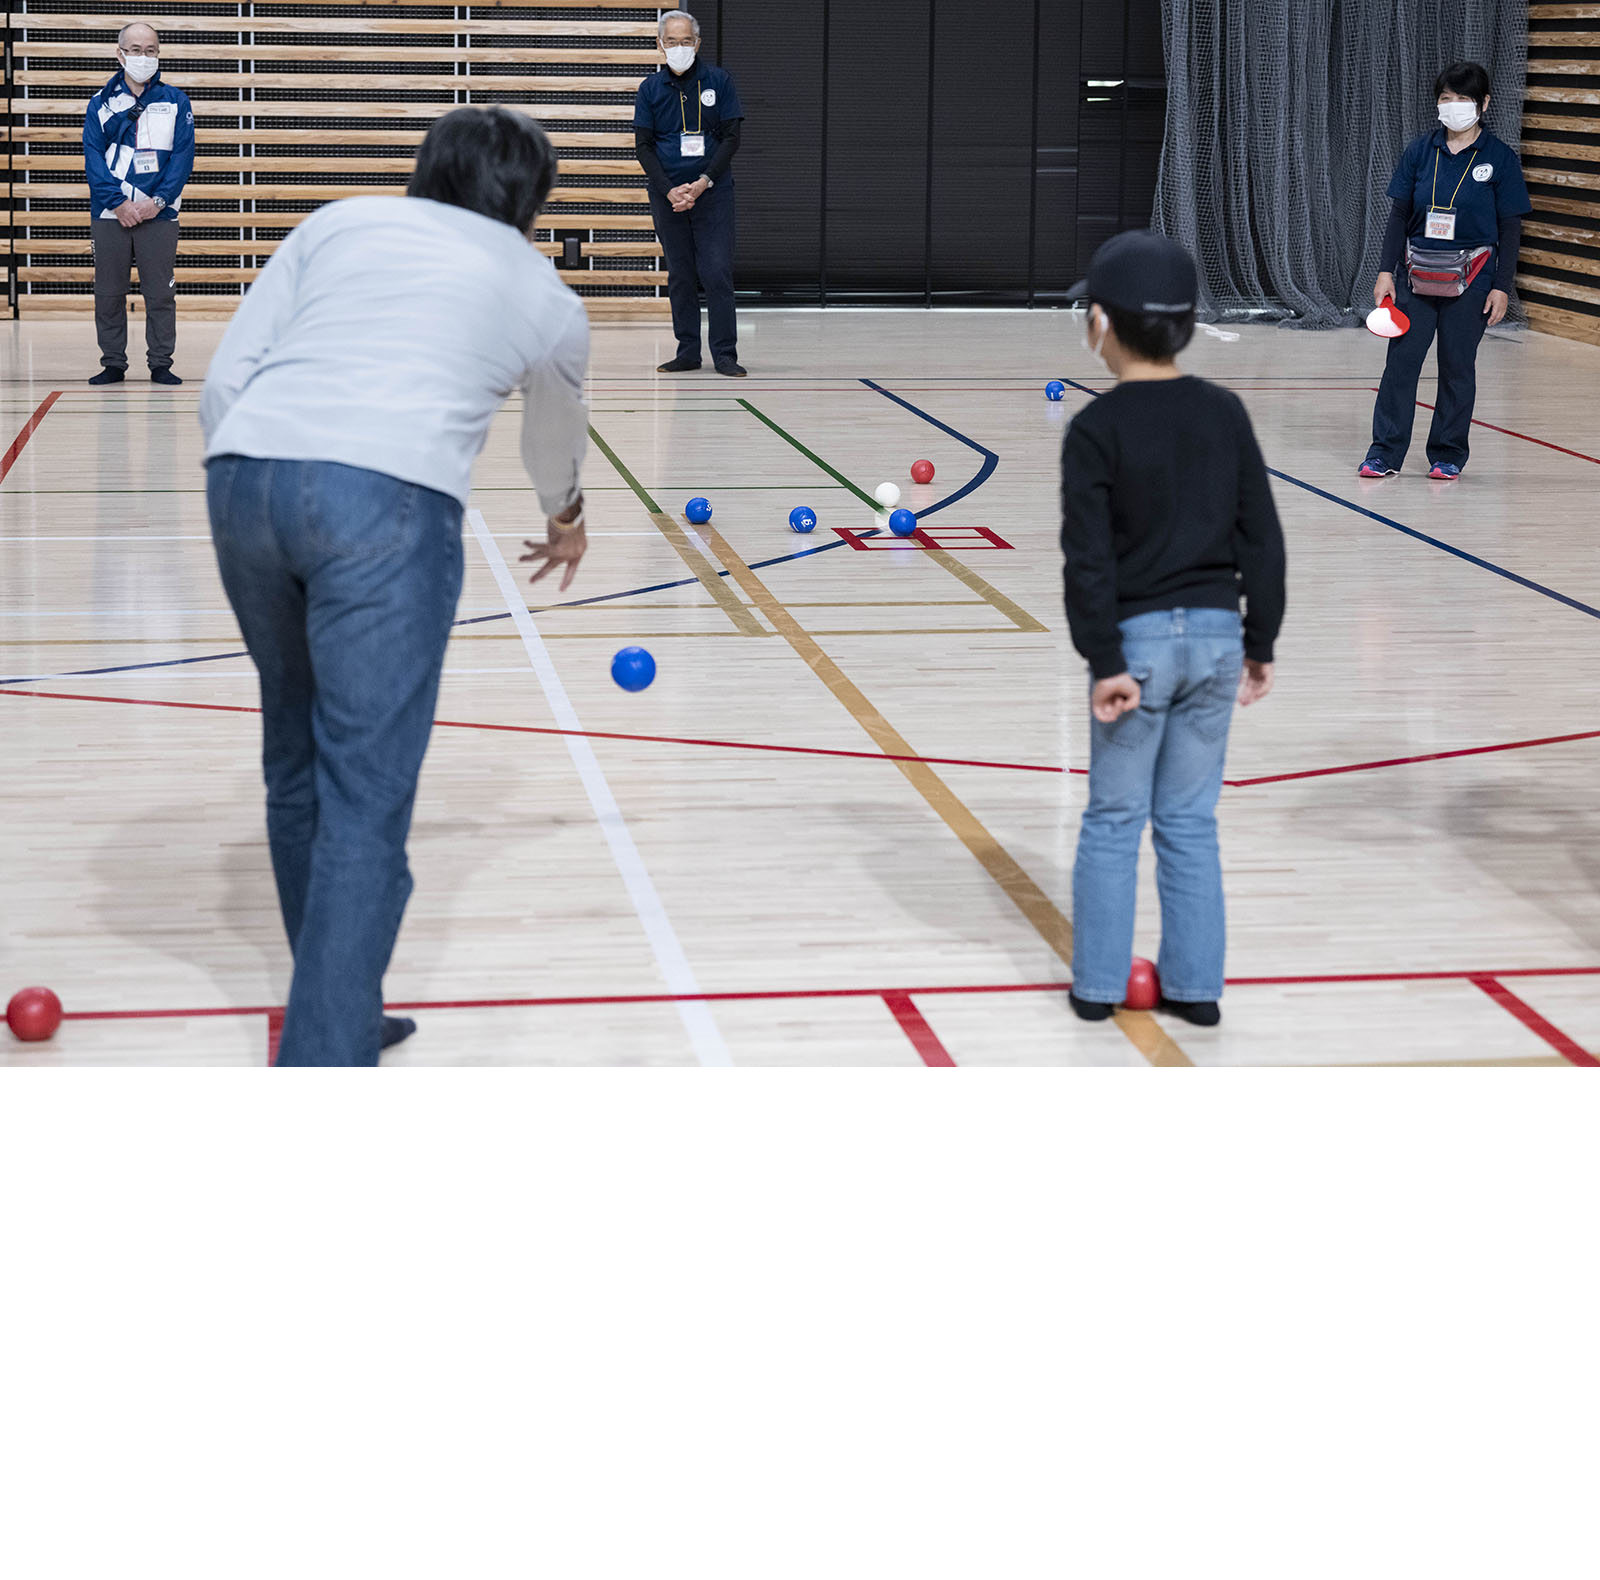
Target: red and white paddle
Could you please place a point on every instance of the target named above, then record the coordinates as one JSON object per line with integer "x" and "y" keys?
{"x": 1387, "y": 320}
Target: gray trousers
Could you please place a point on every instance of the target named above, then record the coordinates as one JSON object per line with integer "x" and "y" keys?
{"x": 154, "y": 247}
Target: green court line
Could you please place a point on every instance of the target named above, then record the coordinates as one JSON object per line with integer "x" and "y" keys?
{"x": 812, "y": 456}
{"x": 622, "y": 471}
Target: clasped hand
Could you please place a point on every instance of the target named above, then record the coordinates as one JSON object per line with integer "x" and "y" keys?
{"x": 682, "y": 198}
{"x": 136, "y": 211}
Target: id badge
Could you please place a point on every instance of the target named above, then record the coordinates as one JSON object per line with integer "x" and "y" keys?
{"x": 1441, "y": 225}
{"x": 145, "y": 162}
{"x": 692, "y": 145}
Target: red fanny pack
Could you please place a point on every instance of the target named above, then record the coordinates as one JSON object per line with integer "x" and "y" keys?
{"x": 1445, "y": 273}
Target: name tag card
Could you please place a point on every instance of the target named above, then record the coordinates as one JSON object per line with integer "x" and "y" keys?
{"x": 692, "y": 145}
{"x": 1441, "y": 225}
{"x": 145, "y": 164}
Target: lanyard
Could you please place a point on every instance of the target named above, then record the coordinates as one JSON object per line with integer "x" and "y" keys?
{"x": 1433, "y": 201}
{"x": 683, "y": 110}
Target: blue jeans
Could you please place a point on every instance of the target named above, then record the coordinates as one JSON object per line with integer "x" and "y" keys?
{"x": 1458, "y": 322}
{"x": 344, "y": 583}
{"x": 1163, "y": 762}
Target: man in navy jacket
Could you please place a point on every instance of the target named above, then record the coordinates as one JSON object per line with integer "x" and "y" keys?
{"x": 138, "y": 151}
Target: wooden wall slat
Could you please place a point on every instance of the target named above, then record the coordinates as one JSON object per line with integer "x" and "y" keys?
{"x": 1561, "y": 247}
{"x": 334, "y": 143}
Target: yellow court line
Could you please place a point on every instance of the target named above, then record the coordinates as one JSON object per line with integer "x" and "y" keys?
{"x": 968, "y": 577}
{"x": 1040, "y": 911}
{"x": 745, "y": 622}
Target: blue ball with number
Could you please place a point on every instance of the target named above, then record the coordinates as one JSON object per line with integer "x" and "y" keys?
{"x": 1055, "y": 390}
{"x": 698, "y": 510}
{"x": 633, "y": 669}
{"x": 903, "y": 523}
{"x": 802, "y": 518}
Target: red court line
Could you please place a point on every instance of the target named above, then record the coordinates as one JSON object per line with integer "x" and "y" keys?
{"x": 274, "y": 1034}
{"x": 1401, "y": 762}
{"x": 885, "y": 993}
{"x": 1478, "y": 422}
{"x": 838, "y": 751}
{"x": 9, "y": 459}
{"x": 1534, "y": 1021}
{"x": 923, "y": 1037}
{"x": 598, "y": 735}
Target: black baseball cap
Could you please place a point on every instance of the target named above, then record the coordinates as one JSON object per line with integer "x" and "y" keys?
{"x": 1141, "y": 272}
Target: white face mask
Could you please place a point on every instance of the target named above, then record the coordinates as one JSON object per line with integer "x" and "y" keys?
{"x": 140, "y": 68}
{"x": 680, "y": 57}
{"x": 1457, "y": 116}
{"x": 1094, "y": 349}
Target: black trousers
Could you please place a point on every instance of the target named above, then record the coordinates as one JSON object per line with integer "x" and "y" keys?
{"x": 1458, "y": 323}
{"x": 698, "y": 247}
{"x": 154, "y": 247}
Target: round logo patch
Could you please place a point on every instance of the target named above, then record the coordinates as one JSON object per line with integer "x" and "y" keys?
{"x": 709, "y": 96}
{"x": 1482, "y": 172}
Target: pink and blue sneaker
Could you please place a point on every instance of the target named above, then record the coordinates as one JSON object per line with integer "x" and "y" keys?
{"x": 1445, "y": 472}
{"x": 1376, "y": 466}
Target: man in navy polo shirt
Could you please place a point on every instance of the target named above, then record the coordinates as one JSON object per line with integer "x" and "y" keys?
{"x": 1456, "y": 188}
{"x": 686, "y": 124}
{"x": 138, "y": 151}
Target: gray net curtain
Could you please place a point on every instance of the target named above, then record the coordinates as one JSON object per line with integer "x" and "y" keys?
{"x": 1284, "y": 122}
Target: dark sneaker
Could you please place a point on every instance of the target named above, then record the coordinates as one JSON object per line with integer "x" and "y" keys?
{"x": 1197, "y": 1013}
{"x": 1376, "y": 466}
{"x": 731, "y": 370}
{"x": 164, "y": 376}
{"x": 109, "y": 376}
{"x": 1086, "y": 1009}
{"x": 396, "y": 1028}
{"x": 1444, "y": 472}
{"x": 679, "y": 365}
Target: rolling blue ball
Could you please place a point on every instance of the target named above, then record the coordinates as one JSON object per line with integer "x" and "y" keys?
{"x": 902, "y": 523}
{"x": 802, "y": 518}
{"x": 698, "y": 510}
{"x": 633, "y": 669}
{"x": 1055, "y": 390}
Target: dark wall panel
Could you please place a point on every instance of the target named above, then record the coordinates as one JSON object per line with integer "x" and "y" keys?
{"x": 982, "y": 152}
{"x": 775, "y": 54}
{"x": 1055, "y": 239}
{"x": 896, "y": 148}
{"x": 878, "y": 54}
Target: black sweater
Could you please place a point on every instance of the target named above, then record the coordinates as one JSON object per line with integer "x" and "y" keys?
{"x": 1165, "y": 505}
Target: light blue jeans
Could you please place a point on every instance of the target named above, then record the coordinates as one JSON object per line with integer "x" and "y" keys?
{"x": 344, "y": 582}
{"x": 1161, "y": 762}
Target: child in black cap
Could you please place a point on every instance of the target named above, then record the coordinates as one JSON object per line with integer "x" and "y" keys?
{"x": 1166, "y": 519}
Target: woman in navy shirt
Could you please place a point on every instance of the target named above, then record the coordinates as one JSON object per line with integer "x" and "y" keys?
{"x": 1458, "y": 190}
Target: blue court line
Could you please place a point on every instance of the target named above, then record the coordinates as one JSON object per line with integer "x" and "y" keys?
{"x": 985, "y": 472}
{"x": 118, "y": 669}
{"x": 991, "y": 461}
{"x": 1411, "y": 532}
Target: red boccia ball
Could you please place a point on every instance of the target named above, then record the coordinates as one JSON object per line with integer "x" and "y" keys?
{"x": 922, "y": 471}
{"x": 1144, "y": 986}
{"x": 33, "y": 1014}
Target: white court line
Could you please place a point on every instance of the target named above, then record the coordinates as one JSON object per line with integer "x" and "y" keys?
{"x": 695, "y": 1013}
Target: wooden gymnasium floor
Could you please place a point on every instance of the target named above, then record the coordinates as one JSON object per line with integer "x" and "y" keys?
{"x": 1413, "y": 864}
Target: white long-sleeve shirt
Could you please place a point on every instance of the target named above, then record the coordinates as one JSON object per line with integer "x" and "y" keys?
{"x": 386, "y": 332}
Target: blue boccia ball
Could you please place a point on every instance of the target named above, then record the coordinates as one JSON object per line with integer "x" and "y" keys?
{"x": 698, "y": 510}
{"x": 802, "y": 518}
{"x": 1054, "y": 390}
{"x": 902, "y": 523}
{"x": 633, "y": 669}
